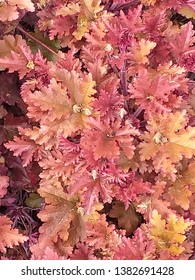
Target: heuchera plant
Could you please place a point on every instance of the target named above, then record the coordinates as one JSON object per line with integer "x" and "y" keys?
{"x": 97, "y": 106}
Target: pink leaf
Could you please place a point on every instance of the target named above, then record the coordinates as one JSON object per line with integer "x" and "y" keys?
{"x": 20, "y": 147}
{"x": 20, "y": 60}
{"x": 4, "y": 183}
{"x": 136, "y": 248}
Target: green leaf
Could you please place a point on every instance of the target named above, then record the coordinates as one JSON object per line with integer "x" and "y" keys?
{"x": 34, "y": 200}
{"x": 35, "y": 46}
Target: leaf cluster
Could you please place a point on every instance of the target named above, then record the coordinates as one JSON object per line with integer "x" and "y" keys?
{"x": 97, "y": 130}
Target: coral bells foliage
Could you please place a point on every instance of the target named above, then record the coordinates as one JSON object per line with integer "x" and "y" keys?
{"x": 97, "y": 137}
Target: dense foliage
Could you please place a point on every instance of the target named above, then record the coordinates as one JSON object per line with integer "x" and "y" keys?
{"x": 97, "y": 129}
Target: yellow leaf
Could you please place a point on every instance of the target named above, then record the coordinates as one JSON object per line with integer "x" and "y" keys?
{"x": 82, "y": 27}
{"x": 157, "y": 223}
{"x": 181, "y": 190}
{"x": 187, "y": 12}
{"x": 88, "y": 13}
{"x": 91, "y": 8}
{"x": 168, "y": 234}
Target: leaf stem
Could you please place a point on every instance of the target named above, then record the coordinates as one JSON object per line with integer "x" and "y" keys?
{"x": 138, "y": 111}
{"x": 37, "y": 40}
{"x": 123, "y": 78}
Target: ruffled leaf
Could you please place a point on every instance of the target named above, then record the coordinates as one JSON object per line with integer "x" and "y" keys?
{"x": 169, "y": 234}
{"x": 16, "y": 57}
{"x": 59, "y": 216}
{"x": 23, "y": 148}
{"x": 9, "y": 237}
{"x": 136, "y": 248}
{"x": 167, "y": 141}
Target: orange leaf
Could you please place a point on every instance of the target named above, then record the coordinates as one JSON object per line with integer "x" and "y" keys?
{"x": 59, "y": 216}
{"x": 62, "y": 108}
{"x": 167, "y": 141}
{"x": 143, "y": 50}
{"x": 49, "y": 104}
{"x": 4, "y": 183}
{"x": 9, "y": 237}
{"x": 181, "y": 190}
